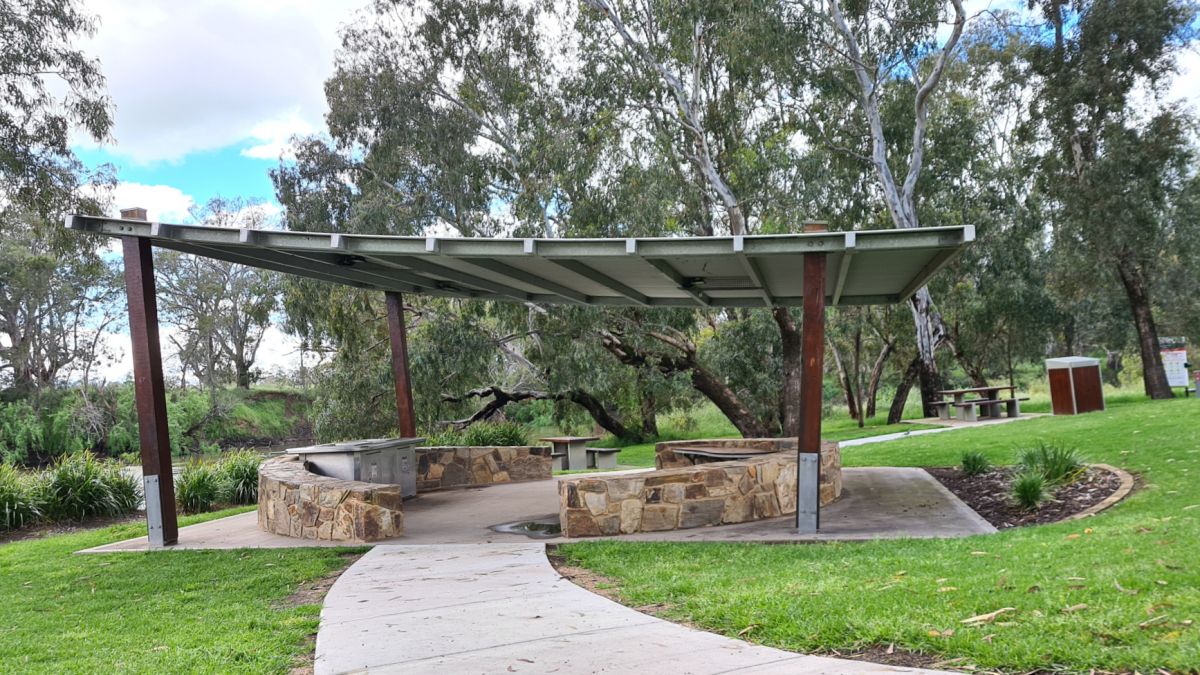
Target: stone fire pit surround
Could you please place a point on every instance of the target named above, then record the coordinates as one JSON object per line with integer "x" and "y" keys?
{"x": 685, "y": 495}
{"x": 295, "y": 502}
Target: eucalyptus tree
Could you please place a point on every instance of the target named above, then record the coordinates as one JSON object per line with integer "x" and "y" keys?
{"x": 484, "y": 117}
{"x": 55, "y": 289}
{"x": 220, "y": 310}
{"x": 1119, "y": 154}
{"x": 885, "y": 48}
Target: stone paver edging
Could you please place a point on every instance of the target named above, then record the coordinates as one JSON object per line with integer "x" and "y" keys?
{"x": 1122, "y": 492}
{"x": 502, "y": 608}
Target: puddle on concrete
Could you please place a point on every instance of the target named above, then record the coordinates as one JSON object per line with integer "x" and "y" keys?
{"x": 540, "y": 528}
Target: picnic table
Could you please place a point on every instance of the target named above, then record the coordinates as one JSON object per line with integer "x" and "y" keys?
{"x": 987, "y": 399}
{"x": 572, "y": 450}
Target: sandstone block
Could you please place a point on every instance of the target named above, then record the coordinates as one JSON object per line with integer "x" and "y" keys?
{"x": 631, "y": 515}
{"x": 657, "y": 517}
{"x": 701, "y": 512}
{"x": 578, "y": 523}
{"x": 596, "y": 502}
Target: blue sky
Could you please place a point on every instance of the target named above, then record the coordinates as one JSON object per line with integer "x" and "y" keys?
{"x": 207, "y": 93}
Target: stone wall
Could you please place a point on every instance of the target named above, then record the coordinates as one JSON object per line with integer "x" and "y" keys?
{"x": 295, "y": 502}
{"x": 689, "y": 496}
{"x": 454, "y": 466}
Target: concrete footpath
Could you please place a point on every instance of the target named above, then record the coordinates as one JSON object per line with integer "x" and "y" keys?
{"x": 502, "y": 608}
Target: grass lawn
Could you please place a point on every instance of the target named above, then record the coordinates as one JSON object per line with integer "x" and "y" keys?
{"x": 1117, "y": 592}
{"x": 708, "y": 422}
{"x": 161, "y": 612}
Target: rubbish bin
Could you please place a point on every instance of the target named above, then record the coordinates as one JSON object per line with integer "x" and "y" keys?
{"x": 1075, "y": 385}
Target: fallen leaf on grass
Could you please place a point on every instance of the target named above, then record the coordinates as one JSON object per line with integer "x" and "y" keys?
{"x": 1034, "y": 589}
{"x": 1075, "y": 608}
{"x": 1073, "y": 535}
{"x": 891, "y": 649}
{"x": 949, "y": 662}
{"x": 979, "y": 553}
{"x": 988, "y": 638}
{"x": 947, "y": 589}
{"x": 987, "y": 618}
{"x": 747, "y": 629}
{"x": 943, "y": 633}
{"x": 1193, "y": 506}
{"x": 1160, "y": 582}
{"x": 1127, "y": 591}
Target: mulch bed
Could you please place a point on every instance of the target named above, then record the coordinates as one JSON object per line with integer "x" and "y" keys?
{"x": 990, "y": 495}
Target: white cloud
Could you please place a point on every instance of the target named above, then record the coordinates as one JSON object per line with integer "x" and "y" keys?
{"x": 207, "y": 74}
{"x": 272, "y": 137}
{"x": 163, "y": 203}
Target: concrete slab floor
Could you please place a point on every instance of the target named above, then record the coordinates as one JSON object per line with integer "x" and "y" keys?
{"x": 876, "y": 503}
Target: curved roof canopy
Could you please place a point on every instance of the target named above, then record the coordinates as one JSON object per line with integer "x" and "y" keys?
{"x": 865, "y": 267}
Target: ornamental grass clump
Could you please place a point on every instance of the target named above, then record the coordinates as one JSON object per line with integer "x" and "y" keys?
{"x": 197, "y": 488}
{"x": 1056, "y": 463}
{"x": 237, "y": 474}
{"x": 974, "y": 463}
{"x": 18, "y": 505}
{"x": 1029, "y": 489}
{"x": 80, "y": 486}
{"x": 495, "y": 433}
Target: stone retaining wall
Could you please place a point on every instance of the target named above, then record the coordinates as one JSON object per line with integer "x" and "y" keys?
{"x": 295, "y": 502}
{"x": 692, "y": 495}
{"x": 457, "y": 466}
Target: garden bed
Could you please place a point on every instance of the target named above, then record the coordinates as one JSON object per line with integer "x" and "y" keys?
{"x": 990, "y": 494}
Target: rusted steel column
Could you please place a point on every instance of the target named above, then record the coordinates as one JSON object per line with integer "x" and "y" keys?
{"x": 812, "y": 371}
{"x": 149, "y": 391}
{"x": 399, "y": 339}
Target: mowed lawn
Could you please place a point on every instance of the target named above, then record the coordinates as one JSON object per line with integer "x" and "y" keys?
{"x": 162, "y": 612}
{"x": 1119, "y": 592}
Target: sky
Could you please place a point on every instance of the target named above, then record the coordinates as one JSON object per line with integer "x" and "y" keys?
{"x": 208, "y": 92}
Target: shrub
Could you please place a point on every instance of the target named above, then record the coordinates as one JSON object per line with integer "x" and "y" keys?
{"x": 1029, "y": 489}
{"x": 1055, "y": 463}
{"x": 78, "y": 486}
{"x": 975, "y": 463}
{"x": 126, "y": 489}
{"x": 444, "y": 437}
{"x": 197, "y": 488}
{"x": 238, "y": 477}
{"x": 18, "y": 507}
{"x": 496, "y": 433}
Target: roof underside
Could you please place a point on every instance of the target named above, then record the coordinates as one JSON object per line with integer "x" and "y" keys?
{"x": 866, "y": 267}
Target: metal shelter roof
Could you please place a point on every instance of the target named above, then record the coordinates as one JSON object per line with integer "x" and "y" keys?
{"x": 864, "y": 267}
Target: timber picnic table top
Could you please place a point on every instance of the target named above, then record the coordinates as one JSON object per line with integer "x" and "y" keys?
{"x": 976, "y": 390}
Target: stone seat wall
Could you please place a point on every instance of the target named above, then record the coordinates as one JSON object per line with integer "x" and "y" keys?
{"x": 296, "y": 502}
{"x": 689, "y": 496}
{"x": 461, "y": 466}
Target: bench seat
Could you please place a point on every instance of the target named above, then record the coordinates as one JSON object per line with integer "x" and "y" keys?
{"x": 602, "y": 458}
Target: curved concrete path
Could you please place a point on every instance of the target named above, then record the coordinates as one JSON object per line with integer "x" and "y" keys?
{"x": 501, "y": 608}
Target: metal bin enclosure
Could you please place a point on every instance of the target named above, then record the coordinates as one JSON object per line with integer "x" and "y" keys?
{"x": 1075, "y": 385}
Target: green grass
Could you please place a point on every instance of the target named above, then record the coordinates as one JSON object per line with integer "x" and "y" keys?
{"x": 708, "y": 422}
{"x": 1128, "y": 576}
{"x": 160, "y": 612}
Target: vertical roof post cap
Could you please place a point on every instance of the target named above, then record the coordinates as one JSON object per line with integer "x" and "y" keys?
{"x": 134, "y": 213}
